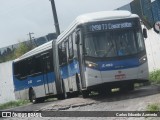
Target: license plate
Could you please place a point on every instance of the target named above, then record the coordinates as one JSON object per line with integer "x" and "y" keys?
{"x": 120, "y": 76}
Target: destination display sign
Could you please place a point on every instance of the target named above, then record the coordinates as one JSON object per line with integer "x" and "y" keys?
{"x": 110, "y": 25}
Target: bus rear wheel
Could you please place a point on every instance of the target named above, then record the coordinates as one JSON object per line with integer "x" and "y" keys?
{"x": 32, "y": 96}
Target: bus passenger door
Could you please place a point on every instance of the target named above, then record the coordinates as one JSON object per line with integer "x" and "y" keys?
{"x": 68, "y": 67}
{"x": 48, "y": 84}
{"x": 81, "y": 59}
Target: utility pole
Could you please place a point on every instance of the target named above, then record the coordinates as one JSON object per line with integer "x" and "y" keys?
{"x": 30, "y": 37}
{"x": 55, "y": 17}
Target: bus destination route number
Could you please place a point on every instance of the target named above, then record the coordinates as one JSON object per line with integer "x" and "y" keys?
{"x": 109, "y": 26}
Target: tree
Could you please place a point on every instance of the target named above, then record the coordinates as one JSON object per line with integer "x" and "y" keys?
{"x": 146, "y": 22}
{"x": 22, "y": 49}
{"x": 9, "y": 54}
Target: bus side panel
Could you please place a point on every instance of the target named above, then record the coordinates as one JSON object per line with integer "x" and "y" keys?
{"x": 37, "y": 83}
{"x": 20, "y": 87}
{"x": 64, "y": 76}
{"x": 40, "y": 89}
{"x": 22, "y": 94}
{"x": 74, "y": 84}
{"x": 66, "y": 86}
{"x": 70, "y": 75}
{"x": 54, "y": 88}
{"x": 143, "y": 73}
{"x": 93, "y": 77}
{"x": 58, "y": 78}
{"x": 51, "y": 81}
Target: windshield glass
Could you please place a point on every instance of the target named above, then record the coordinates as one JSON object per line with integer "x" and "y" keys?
{"x": 113, "y": 43}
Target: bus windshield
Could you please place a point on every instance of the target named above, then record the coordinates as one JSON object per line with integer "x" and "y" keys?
{"x": 114, "y": 43}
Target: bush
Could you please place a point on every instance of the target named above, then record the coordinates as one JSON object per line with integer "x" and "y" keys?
{"x": 153, "y": 107}
{"x": 16, "y": 52}
{"x": 22, "y": 49}
{"x": 155, "y": 77}
{"x": 13, "y": 104}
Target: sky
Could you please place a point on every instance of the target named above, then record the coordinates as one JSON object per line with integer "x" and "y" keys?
{"x": 19, "y": 17}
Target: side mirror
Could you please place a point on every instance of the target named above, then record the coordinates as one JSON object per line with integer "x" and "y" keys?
{"x": 145, "y": 33}
{"x": 77, "y": 39}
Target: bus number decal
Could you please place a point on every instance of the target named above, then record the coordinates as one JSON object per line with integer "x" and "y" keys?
{"x": 107, "y": 65}
{"x": 120, "y": 76}
{"x": 30, "y": 82}
{"x": 38, "y": 80}
{"x": 96, "y": 27}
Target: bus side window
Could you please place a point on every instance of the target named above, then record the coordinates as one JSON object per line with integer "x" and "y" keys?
{"x": 23, "y": 69}
{"x": 60, "y": 54}
{"x": 38, "y": 65}
{"x": 64, "y": 55}
{"x": 74, "y": 45}
{"x": 70, "y": 47}
{"x": 49, "y": 61}
{"x": 30, "y": 67}
{"x": 16, "y": 70}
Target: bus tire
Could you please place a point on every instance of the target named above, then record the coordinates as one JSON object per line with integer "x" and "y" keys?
{"x": 32, "y": 96}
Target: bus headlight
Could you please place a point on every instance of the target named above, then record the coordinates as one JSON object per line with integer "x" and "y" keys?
{"x": 143, "y": 59}
{"x": 91, "y": 64}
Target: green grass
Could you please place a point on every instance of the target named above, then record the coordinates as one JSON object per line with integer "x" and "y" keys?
{"x": 51, "y": 99}
{"x": 13, "y": 104}
{"x": 153, "y": 107}
{"x": 155, "y": 77}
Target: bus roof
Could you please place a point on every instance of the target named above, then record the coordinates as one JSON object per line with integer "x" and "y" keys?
{"x": 96, "y": 16}
{"x": 39, "y": 49}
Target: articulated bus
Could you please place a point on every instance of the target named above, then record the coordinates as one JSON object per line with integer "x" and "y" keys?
{"x": 97, "y": 52}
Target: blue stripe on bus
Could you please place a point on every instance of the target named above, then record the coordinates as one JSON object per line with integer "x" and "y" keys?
{"x": 101, "y": 66}
{"x": 73, "y": 69}
{"x": 118, "y": 64}
{"x": 70, "y": 70}
{"x": 36, "y": 81}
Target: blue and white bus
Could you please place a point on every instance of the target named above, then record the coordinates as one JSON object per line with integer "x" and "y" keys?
{"x": 97, "y": 52}
{"x": 101, "y": 51}
{"x": 34, "y": 76}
